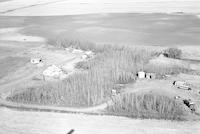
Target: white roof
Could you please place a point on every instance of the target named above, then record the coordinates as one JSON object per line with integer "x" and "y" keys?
{"x": 77, "y": 51}
{"x": 53, "y": 71}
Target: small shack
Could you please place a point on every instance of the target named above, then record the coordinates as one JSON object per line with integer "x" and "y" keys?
{"x": 36, "y": 60}
{"x": 150, "y": 76}
{"x": 141, "y": 74}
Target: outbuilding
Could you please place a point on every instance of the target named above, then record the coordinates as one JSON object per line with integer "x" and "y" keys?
{"x": 150, "y": 75}
{"x": 141, "y": 74}
{"x": 77, "y": 51}
{"x": 36, "y": 60}
{"x": 54, "y": 72}
{"x": 182, "y": 85}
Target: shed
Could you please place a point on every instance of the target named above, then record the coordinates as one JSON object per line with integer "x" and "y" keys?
{"x": 36, "y": 60}
{"x": 141, "y": 75}
{"x": 150, "y": 75}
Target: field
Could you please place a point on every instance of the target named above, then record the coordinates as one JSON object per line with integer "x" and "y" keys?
{"x": 59, "y": 123}
{"x": 11, "y": 64}
{"x": 122, "y": 44}
{"x": 138, "y": 29}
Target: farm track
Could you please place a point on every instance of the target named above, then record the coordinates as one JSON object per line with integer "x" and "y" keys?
{"x": 26, "y": 107}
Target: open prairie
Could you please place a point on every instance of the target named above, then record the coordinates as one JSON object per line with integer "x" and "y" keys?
{"x": 133, "y": 29}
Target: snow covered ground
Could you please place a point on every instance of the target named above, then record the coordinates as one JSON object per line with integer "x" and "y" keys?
{"x": 21, "y": 122}
{"x": 72, "y": 7}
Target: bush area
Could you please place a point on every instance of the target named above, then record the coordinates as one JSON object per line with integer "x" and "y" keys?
{"x": 78, "y": 43}
{"x": 166, "y": 70}
{"x": 173, "y": 53}
{"x": 147, "y": 106}
{"x": 91, "y": 87}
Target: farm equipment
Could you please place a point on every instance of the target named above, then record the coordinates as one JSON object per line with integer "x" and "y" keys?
{"x": 189, "y": 104}
{"x": 182, "y": 85}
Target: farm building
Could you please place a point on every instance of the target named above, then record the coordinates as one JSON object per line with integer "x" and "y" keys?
{"x": 163, "y": 54}
{"x": 77, "y": 51}
{"x": 36, "y": 60}
{"x": 150, "y": 75}
{"x": 89, "y": 53}
{"x": 54, "y": 72}
{"x": 141, "y": 74}
{"x": 84, "y": 56}
{"x": 182, "y": 85}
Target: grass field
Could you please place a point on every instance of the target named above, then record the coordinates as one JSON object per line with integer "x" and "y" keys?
{"x": 11, "y": 64}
